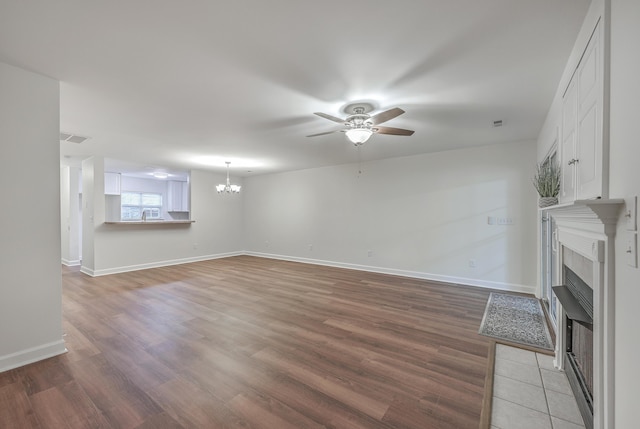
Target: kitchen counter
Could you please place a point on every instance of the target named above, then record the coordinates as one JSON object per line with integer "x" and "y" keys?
{"x": 150, "y": 222}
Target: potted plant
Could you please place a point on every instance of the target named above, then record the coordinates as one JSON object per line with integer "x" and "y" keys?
{"x": 547, "y": 183}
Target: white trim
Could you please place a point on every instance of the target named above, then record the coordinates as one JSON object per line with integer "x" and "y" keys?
{"x": 595, "y": 216}
{"x": 404, "y": 273}
{"x": 512, "y": 287}
{"x": 87, "y": 271}
{"x": 69, "y": 263}
{"x": 125, "y": 269}
{"x": 588, "y": 246}
{"x": 31, "y": 355}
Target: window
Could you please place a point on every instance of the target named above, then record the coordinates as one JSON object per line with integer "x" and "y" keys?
{"x": 134, "y": 204}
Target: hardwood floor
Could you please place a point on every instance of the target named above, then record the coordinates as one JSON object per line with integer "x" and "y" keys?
{"x": 247, "y": 342}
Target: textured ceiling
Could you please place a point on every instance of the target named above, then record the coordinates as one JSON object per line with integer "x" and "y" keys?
{"x": 191, "y": 84}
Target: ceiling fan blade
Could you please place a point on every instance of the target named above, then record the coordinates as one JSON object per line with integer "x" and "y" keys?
{"x": 386, "y": 115}
{"x": 322, "y": 134}
{"x": 331, "y": 118}
{"x": 393, "y": 131}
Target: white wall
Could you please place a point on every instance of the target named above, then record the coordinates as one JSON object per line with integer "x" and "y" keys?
{"x": 217, "y": 232}
{"x": 70, "y": 227}
{"x": 65, "y": 209}
{"x": 30, "y": 288}
{"x": 625, "y": 183}
{"x": 93, "y": 209}
{"x": 423, "y": 216}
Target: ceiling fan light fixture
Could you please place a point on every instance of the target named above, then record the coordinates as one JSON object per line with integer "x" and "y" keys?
{"x": 360, "y": 125}
{"x": 359, "y": 135}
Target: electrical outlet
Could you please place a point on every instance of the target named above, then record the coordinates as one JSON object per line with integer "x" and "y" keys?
{"x": 311, "y": 247}
{"x": 631, "y": 212}
{"x": 195, "y": 245}
{"x": 369, "y": 253}
{"x": 631, "y": 250}
{"x": 266, "y": 243}
{"x": 472, "y": 263}
{"x": 491, "y": 220}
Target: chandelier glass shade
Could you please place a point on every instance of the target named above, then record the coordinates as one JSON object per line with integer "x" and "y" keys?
{"x": 359, "y": 135}
{"x": 228, "y": 187}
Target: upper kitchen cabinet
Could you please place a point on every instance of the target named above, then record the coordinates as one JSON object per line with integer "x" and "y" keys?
{"x": 112, "y": 182}
{"x": 177, "y": 196}
{"x": 584, "y": 150}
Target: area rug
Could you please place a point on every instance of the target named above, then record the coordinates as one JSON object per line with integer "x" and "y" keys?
{"x": 517, "y": 319}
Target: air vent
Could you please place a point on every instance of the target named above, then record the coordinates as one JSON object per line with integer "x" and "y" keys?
{"x": 72, "y": 138}
{"x": 497, "y": 123}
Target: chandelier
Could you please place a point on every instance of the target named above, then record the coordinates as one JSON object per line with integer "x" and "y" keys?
{"x": 228, "y": 187}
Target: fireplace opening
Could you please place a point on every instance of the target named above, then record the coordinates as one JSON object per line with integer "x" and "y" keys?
{"x": 576, "y": 297}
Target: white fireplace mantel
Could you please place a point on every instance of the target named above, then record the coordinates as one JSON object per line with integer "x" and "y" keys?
{"x": 588, "y": 227}
{"x": 591, "y": 215}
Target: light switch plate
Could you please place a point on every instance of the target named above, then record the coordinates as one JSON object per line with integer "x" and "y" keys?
{"x": 631, "y": 212}
{"x": 631, "y": 249}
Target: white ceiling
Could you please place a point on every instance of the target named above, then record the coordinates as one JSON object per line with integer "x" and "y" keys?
{"x": 191, "y": 84}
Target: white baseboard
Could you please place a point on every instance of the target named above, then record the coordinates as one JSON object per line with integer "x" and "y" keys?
{"x": 87, "y": 271}
{"x": 31, "y": 355}
{"x": 512, "y": 287}
{"x": 69, "y": 263}
{"x": 125, "y": 269}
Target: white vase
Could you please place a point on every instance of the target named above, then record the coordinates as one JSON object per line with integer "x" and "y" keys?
{"x": 547, "y": 201}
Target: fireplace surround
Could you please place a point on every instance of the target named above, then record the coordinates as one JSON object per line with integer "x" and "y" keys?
{"x": 587, "y": 228}
{"x": 576, "y": 298}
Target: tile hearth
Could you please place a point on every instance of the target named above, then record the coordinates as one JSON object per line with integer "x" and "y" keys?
{"x": 529, "y": 393}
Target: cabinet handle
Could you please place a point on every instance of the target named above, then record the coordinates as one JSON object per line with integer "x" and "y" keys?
{"x": 573, "y": 161}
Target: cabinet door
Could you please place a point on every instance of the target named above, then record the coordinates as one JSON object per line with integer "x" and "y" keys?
{"x": 589, "y": 150}
{"x": 185, "y": 197}
{"x": 568, "y": 133}
{"x": 174, "y": 196}
{"x": 112, "y": 183}
{"x": 178, "y": 196}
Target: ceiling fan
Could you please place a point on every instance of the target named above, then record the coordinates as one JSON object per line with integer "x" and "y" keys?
{"x": 359, "y": 125}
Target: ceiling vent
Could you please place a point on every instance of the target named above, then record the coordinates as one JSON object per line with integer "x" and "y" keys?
{"x": 497, "y": 123}
{"x": 72, "y": 138}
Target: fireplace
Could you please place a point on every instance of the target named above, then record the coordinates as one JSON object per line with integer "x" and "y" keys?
{"x": 576, "y": 298}
{"x": 585, "y": 344}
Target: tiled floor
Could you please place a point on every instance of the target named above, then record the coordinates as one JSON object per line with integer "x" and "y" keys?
{"x": 529, "y": 393}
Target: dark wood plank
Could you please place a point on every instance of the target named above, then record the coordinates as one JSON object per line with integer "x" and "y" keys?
{"x": 16, "y": 410}
{"x": 248, "y": 342}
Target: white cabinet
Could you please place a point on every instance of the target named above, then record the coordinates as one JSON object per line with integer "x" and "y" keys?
{"x": 177, "y": 196}
{"x": 568, "y": 127}
{"x": 584, "y": 152}
{"x": 112, "y": 183}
